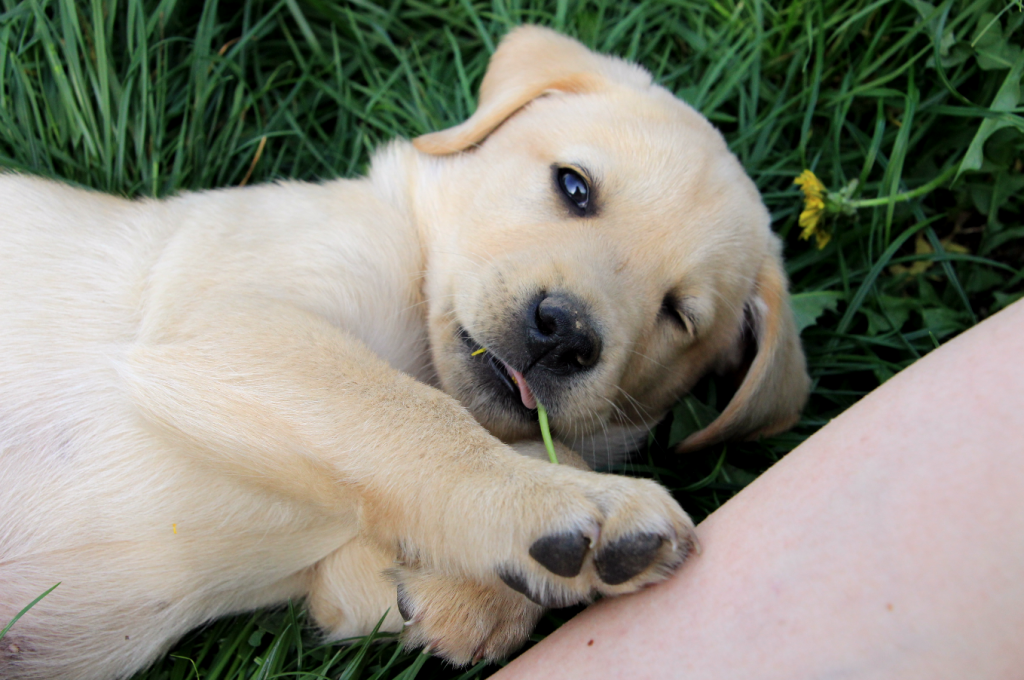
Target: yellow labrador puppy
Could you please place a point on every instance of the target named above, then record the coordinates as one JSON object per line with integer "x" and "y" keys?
{"x": 226, "y": 399}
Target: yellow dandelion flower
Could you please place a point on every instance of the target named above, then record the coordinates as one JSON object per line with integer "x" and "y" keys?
{"x": 810, "y": 184}
{"x": 814, "y": 208}
{"x": 819, "y": 202}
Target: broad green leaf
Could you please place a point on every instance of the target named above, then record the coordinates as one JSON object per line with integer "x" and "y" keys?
{"x": 1006, "y": 299}
{"x": 980, "y": 280}
{"x": 1006, "y": 100}
{"x": 999, "y": 56}
{"x": 808, "y": 307}
{"x": 690, "y": 415}
{"x": 943, "y": 321}
{"x": 892, "y": 315}
{"x": 988, "y": 31}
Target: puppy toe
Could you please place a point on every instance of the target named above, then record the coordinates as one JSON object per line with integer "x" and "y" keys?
{"x": 505, "y": 638}
{"x": 627, "y": 557}
{"x": 644, "y": 537}
{"x": 544, "y": 593}
{"x": 405, "y": 607}
{"x": 461, "y": 620}
{"x": 561, "y": 554}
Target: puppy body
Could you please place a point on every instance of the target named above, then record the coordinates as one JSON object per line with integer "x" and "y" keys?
{"x": 126, "y": 516}
{"x": 226, "y": 399}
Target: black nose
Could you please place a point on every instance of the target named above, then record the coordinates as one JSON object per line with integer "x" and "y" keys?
{"x": 560, "y": 335}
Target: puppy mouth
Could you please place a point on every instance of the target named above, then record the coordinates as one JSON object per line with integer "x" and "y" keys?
{"x": 511, "y": 379}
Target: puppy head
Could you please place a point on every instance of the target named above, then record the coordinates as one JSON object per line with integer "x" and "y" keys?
{"x": 596, "y": 236}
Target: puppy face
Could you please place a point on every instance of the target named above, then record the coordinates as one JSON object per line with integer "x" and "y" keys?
{"x": 605, "y": 248}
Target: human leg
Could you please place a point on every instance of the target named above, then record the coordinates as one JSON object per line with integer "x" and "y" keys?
{"x": 889, "y": 545}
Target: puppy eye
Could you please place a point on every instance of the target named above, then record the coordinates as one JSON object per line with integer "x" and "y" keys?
{"x": 575, "y": 187}
{"x": 676, "y": 313}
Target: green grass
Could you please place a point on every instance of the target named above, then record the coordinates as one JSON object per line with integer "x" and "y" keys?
{"x": 153, "y": 97}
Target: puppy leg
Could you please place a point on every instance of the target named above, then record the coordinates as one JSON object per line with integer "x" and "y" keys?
{"x": 350, "y": 591}
{"x": 300, "y": 408}
{"x": 565, "y": 455}
{"x": 461, "y": 619}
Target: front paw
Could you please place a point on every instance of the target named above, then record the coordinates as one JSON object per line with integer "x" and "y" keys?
{"x": 622, "y": 535}
{"x": 572, "y": 535}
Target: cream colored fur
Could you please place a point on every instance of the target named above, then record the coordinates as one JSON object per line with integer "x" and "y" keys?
{"x": 226, "y": 399}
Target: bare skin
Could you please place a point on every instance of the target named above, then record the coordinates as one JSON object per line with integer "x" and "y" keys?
{"x": 889, "y": 545}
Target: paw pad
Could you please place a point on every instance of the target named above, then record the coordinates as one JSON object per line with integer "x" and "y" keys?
{"x": 625, "y": 558}
{"x": 550, "y": 599}
{"x": 517, "y": 583}
{"x": 561, "y": 554}
{"x": 404, "y": 604}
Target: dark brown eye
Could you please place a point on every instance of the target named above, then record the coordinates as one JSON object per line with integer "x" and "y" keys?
{"x": 575, "y": 188}
{"x": 672, "y": 310}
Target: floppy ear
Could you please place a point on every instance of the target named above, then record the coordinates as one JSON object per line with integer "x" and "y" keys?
{"x": 775, "y": 388}
{"x": 529, "y": 62}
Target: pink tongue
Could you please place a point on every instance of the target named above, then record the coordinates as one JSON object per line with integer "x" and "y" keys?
{"x": 529, "y": 401}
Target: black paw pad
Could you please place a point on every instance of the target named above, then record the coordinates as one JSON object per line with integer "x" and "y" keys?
{"x": 625, "y": 558}
{"x": 517, "y": 582}
{"x": 561, "y": 554}
{"x": 404, "y": 603}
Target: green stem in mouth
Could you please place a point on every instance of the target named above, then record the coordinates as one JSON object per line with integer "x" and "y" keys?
{"x": 542, "y": 416}
{"x": 545, "y": 432}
